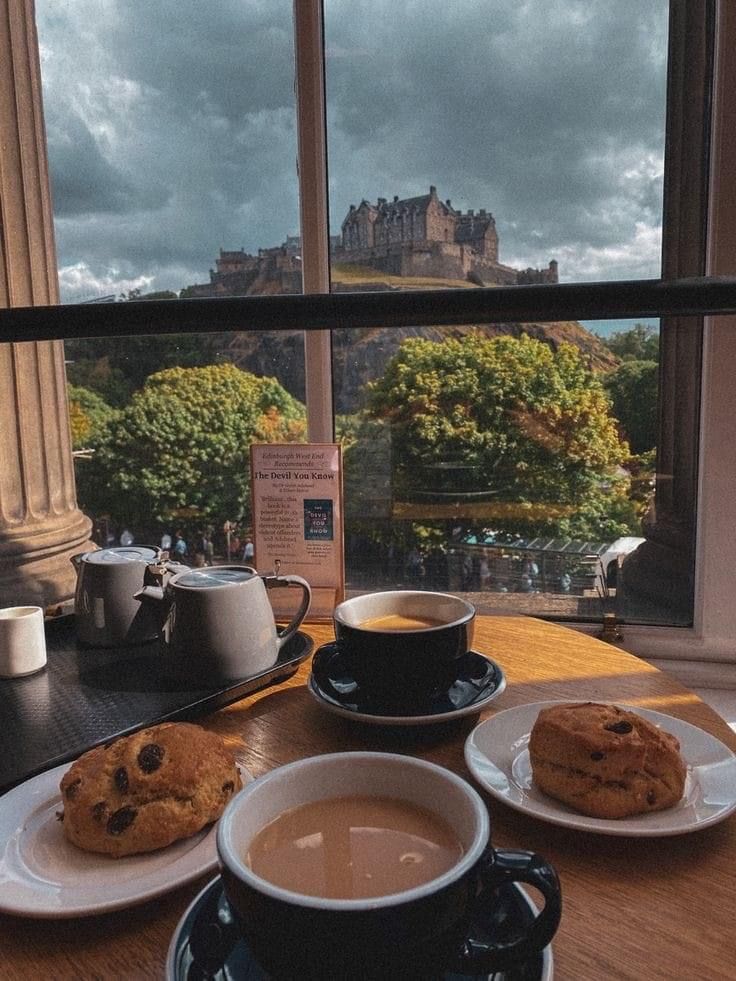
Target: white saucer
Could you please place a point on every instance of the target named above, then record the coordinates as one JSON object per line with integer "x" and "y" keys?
{"x": 45, "y": 876}
{"x": 497, "y": 756}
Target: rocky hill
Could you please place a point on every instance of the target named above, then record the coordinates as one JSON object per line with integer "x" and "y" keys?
{"x": 360, "y": 354}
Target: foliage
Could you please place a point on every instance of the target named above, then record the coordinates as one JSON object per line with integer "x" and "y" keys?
{"x": 159, "y": 295}
{"x": 641, "y": 343}
{"x": 97, "y": 375}
{"x": 115, "y": 367}
{"x": 508, "y": 417}
{"x": 182, "y": 446}
{"x": 633, "y": 389}
{"x": 88, "y": 414}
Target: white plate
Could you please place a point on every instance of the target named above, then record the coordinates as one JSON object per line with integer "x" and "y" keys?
{"x": 496, "y": 753}
{"x": 43, "y": 875}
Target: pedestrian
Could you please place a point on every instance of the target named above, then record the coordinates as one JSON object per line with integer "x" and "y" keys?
{"x": 249, "y": 550}
{"x": 180, "y": 547}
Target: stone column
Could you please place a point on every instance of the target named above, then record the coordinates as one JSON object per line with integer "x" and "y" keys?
{"x": 41, "y": 526}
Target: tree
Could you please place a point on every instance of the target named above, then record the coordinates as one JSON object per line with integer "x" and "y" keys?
{"x": 115, "y": 367}
{"x": 88, "y": 414}
{"x": 641, "y": 343}
{"x": 506, "y": 416}
{"x": 633, "y": 390}
{"x": 182, "y": 446}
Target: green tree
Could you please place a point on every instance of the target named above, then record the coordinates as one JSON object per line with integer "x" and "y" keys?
{"x": 182, "y": 444}
{"x": 507, "y": 416}
{"x": 641, "y": 343}
{"x": 633, "y": 389}
{"x": 115, "y": 367}
{"x": 88, "y": 415}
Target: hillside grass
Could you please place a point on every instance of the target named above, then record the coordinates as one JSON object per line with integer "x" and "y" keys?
{"x": 348, "y": 275}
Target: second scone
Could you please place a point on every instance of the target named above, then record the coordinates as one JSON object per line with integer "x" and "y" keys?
{"x": 604, "y": 761}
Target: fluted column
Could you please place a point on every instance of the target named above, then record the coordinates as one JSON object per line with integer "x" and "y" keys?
{"x": 41, "y": 526}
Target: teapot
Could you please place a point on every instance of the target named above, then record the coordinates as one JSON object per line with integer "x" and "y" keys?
{"x": 106, "y": 611}
{"x": 218, "y": 622}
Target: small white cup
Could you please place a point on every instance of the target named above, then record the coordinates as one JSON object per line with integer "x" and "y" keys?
{"x": 22, "y": 641}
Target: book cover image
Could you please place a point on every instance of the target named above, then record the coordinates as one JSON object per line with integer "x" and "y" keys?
{"x": 318, "y": 520}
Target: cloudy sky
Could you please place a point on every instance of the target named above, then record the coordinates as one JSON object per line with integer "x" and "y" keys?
{"x": 171, "y": 128}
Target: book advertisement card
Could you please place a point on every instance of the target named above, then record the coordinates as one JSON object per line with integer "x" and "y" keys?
{"x": 298, "y": 521}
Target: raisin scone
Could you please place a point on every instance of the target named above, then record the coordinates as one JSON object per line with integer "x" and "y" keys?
{"x": 604, "y": 761}
{"x": 147, "y": 790}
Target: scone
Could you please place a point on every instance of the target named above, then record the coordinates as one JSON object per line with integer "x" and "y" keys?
{"x": 146, "y": 790}
{"x": 604, "y": 761}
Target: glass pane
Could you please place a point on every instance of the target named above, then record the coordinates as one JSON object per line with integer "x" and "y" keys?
{"x": 515, "y": 144}
{"x": 172, "y": 147}
{"x": 498, "y": 466}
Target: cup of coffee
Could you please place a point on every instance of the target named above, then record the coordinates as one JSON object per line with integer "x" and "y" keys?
{"x": 403, "y": 646}
{"x": 372, "y": 865}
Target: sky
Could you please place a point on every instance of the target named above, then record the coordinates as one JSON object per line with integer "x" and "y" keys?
{"x": 171, "y": 128}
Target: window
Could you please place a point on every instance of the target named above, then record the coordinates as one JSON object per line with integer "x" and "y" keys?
{"x": 542, "y": 141}
{"x": 684, "y": 248}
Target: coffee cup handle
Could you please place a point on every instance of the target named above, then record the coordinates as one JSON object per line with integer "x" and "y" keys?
{"x": 283, "y": 582}
{"x": 500, "y": 868}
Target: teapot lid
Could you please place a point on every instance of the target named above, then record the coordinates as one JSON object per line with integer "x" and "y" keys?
{"x": 128, "y": 553}
{"x": 214, "y": 576}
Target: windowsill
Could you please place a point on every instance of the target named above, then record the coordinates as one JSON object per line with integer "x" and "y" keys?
{"x": 722, "y": 700}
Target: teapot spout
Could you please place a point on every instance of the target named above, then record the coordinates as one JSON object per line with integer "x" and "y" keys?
{"x": 157, "y": 603}
{"x": 155, "y": 593}
{"x": 76, "y": 560}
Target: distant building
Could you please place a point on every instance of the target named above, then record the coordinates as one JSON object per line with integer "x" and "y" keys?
{"x": 420, "y": 236}
{"x": 424, "y": 236}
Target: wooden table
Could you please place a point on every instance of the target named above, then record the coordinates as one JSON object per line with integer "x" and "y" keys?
{"x": 632, "y": 908}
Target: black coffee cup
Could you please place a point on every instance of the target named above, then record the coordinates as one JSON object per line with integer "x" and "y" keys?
{"x": 421, "y": 932}
{"x": 403, "y": 667}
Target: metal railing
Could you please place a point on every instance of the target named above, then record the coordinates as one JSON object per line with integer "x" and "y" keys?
{"x": 628, "y": 299}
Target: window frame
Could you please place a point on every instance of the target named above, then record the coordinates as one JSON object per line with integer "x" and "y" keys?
{"x": 699, "y": 281}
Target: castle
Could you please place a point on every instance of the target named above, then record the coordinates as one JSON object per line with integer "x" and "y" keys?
{"x": 425, "y": 236}
{"x": 418, "y": 237}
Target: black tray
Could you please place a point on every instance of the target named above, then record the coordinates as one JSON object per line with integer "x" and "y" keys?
{"x": 87, "y": 696}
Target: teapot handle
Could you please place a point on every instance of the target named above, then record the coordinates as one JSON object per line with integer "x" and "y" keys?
{"x": 283, "y": 582}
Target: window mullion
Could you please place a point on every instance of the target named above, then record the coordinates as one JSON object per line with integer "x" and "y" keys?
{"x": 313, "y": 206}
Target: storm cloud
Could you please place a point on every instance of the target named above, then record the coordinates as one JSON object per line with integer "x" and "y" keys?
{"x": 172, "y": 132}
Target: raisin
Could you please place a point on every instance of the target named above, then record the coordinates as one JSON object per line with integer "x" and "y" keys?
{"x": 99, "y": 811}
{"x": 597, "y": 756}
{"x": 121, "y": 820}
{"x": 150, "y": 757}
{"x": 228, "y": 788}
{"x": 651, "y": 797}
{"x": 59, "y": 815}
{"x": 121, "y": 779}
{"x": 620, "y": 728}
{"x": 73, "y": 789}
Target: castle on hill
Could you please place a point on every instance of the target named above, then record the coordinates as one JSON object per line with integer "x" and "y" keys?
{"x": 414, "y": 237}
